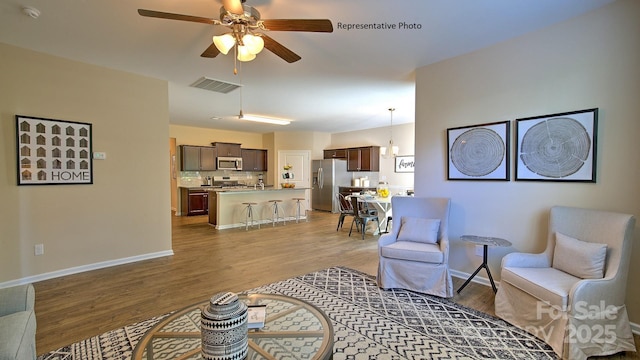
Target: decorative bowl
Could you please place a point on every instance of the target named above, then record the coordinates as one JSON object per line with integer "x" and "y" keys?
{"x": 288, "y": 185}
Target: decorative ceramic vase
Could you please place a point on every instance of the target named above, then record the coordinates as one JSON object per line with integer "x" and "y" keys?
{"x": 224, "y": 328}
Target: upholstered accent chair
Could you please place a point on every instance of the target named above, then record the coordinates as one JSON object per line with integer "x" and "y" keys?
{"x": 414, "y": 255}
{"x": 572, "y": 295}
{"x": 17, "y": 323}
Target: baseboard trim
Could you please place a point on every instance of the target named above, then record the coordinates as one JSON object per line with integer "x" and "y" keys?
{"x": 83, "y": 268}
{"x": 476, "y": 279}
{"x": 635, "y": 328}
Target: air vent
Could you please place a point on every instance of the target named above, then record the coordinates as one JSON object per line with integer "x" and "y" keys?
{"x": 214, "y": 85}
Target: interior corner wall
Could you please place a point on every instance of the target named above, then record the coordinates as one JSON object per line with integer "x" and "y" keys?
{"x": 125, "y": 213}
{"x": 586, "y": 62}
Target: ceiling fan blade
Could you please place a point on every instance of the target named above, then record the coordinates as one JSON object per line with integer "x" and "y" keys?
{"x": 211, "y": 52}
{"x": 279, "y": 49}
{"x": 313, "y": 25}
{"x": 233, "y": 6}
{"x": 171, "y": 16}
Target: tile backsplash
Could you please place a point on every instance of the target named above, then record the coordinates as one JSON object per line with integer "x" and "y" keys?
{"x": 197, "y": 178}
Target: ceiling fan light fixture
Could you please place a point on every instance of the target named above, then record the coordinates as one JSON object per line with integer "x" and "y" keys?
{"x": 244, "y": 54}
{"x": 254, "y": 43}
{"x": 224, "y": 43}
{"x": 263, "y": 119}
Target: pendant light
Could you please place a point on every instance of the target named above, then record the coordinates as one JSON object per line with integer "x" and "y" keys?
{"x": 390, "y": 151}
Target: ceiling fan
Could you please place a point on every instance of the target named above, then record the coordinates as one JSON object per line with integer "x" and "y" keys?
{"x": 246, "y": 34}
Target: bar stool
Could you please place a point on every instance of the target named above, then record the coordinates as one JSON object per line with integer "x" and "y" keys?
{"x": 249, "y": 208}
{"x": 275, "y": 212}
{"x": 298, "y": 208}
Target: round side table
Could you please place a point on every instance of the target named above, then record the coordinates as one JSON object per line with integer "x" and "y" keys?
{"x": 485, "y": 241}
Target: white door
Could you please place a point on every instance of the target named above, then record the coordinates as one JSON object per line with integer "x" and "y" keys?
{"x": 299, "y": 168}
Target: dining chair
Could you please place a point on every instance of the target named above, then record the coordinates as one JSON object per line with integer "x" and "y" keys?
{"x": 362, "y": 216}
{"x": 345, "y": 209}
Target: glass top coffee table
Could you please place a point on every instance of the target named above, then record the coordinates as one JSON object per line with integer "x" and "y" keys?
{"x": 293, "y": 329}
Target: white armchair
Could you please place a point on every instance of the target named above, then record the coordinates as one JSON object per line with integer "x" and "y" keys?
{"x": 572, "y": 295}
{"x": 17, "y": 322}
{"x": 415, "y": 254}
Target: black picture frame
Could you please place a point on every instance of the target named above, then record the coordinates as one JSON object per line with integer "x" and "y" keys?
{"x": 557, "y": 147}
{"x": 404, "y": 164}
{"x": 479, "y": 152}
{"x": 53, "y": 152}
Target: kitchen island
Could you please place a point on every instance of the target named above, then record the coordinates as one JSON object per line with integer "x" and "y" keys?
{"x": 227, "y": 211}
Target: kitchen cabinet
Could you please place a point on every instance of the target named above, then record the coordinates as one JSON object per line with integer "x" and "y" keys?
{"x": 363, "y": 158}
{"x": 228, "y": 149}
{"x": 194, "y": 201}
{"x": 197, "y": 158}
{"x": 335, "y": 153}
{"x": 254, "y": 160}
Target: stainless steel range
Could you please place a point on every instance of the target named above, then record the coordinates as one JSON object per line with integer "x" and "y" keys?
{"x": 226, "y": 182}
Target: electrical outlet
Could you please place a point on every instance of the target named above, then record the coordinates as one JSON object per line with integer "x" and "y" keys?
{"x": 479, "y": 250}
{"x": 39, "y": 249}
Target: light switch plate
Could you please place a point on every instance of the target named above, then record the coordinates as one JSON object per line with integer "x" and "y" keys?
{"x": 479, "y": 250}
{"x": 99, "y": 155}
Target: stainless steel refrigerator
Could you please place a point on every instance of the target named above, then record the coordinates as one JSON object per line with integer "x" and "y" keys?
{"x": 327, "y": 176}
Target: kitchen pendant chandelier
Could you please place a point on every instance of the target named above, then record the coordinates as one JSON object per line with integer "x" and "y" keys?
{"x": 391, "y": 150}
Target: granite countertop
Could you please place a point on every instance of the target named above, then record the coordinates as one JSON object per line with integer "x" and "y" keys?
{"x": 211, "y": 187}
{"x": 251, "y": 189}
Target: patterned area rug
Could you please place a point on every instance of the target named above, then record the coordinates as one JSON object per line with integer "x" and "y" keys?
{"x": 368, "y": 322}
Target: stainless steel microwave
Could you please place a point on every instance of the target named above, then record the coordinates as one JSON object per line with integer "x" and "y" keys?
{"x": 229, "y": 163}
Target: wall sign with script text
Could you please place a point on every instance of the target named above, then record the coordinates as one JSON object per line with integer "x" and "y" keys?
{"x": 405, "y": 164}
{"x": 53, "y": 151}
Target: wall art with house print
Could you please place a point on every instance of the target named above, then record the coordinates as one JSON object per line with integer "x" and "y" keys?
{"x": 478, "y": 152}
{"x": 557, "y": 147}
{"x": 53, "y": 151}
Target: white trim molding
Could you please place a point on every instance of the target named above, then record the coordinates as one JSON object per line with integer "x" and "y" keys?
{"x": 83, "y": 268}
{"x": 476, "y": 279}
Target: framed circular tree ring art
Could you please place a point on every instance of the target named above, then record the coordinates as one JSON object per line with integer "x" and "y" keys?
{"x": 478, "y": 152}
{"x": 557, "y": 147}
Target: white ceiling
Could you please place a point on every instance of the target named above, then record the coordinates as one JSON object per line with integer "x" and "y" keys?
{"x": 345, "y": 81}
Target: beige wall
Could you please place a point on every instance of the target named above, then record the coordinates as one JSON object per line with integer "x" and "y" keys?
{"x": 591, "y": 61}
{"x": 119, "y": 216}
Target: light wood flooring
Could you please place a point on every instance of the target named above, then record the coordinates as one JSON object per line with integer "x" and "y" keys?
{"x": 207, "y": 261}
